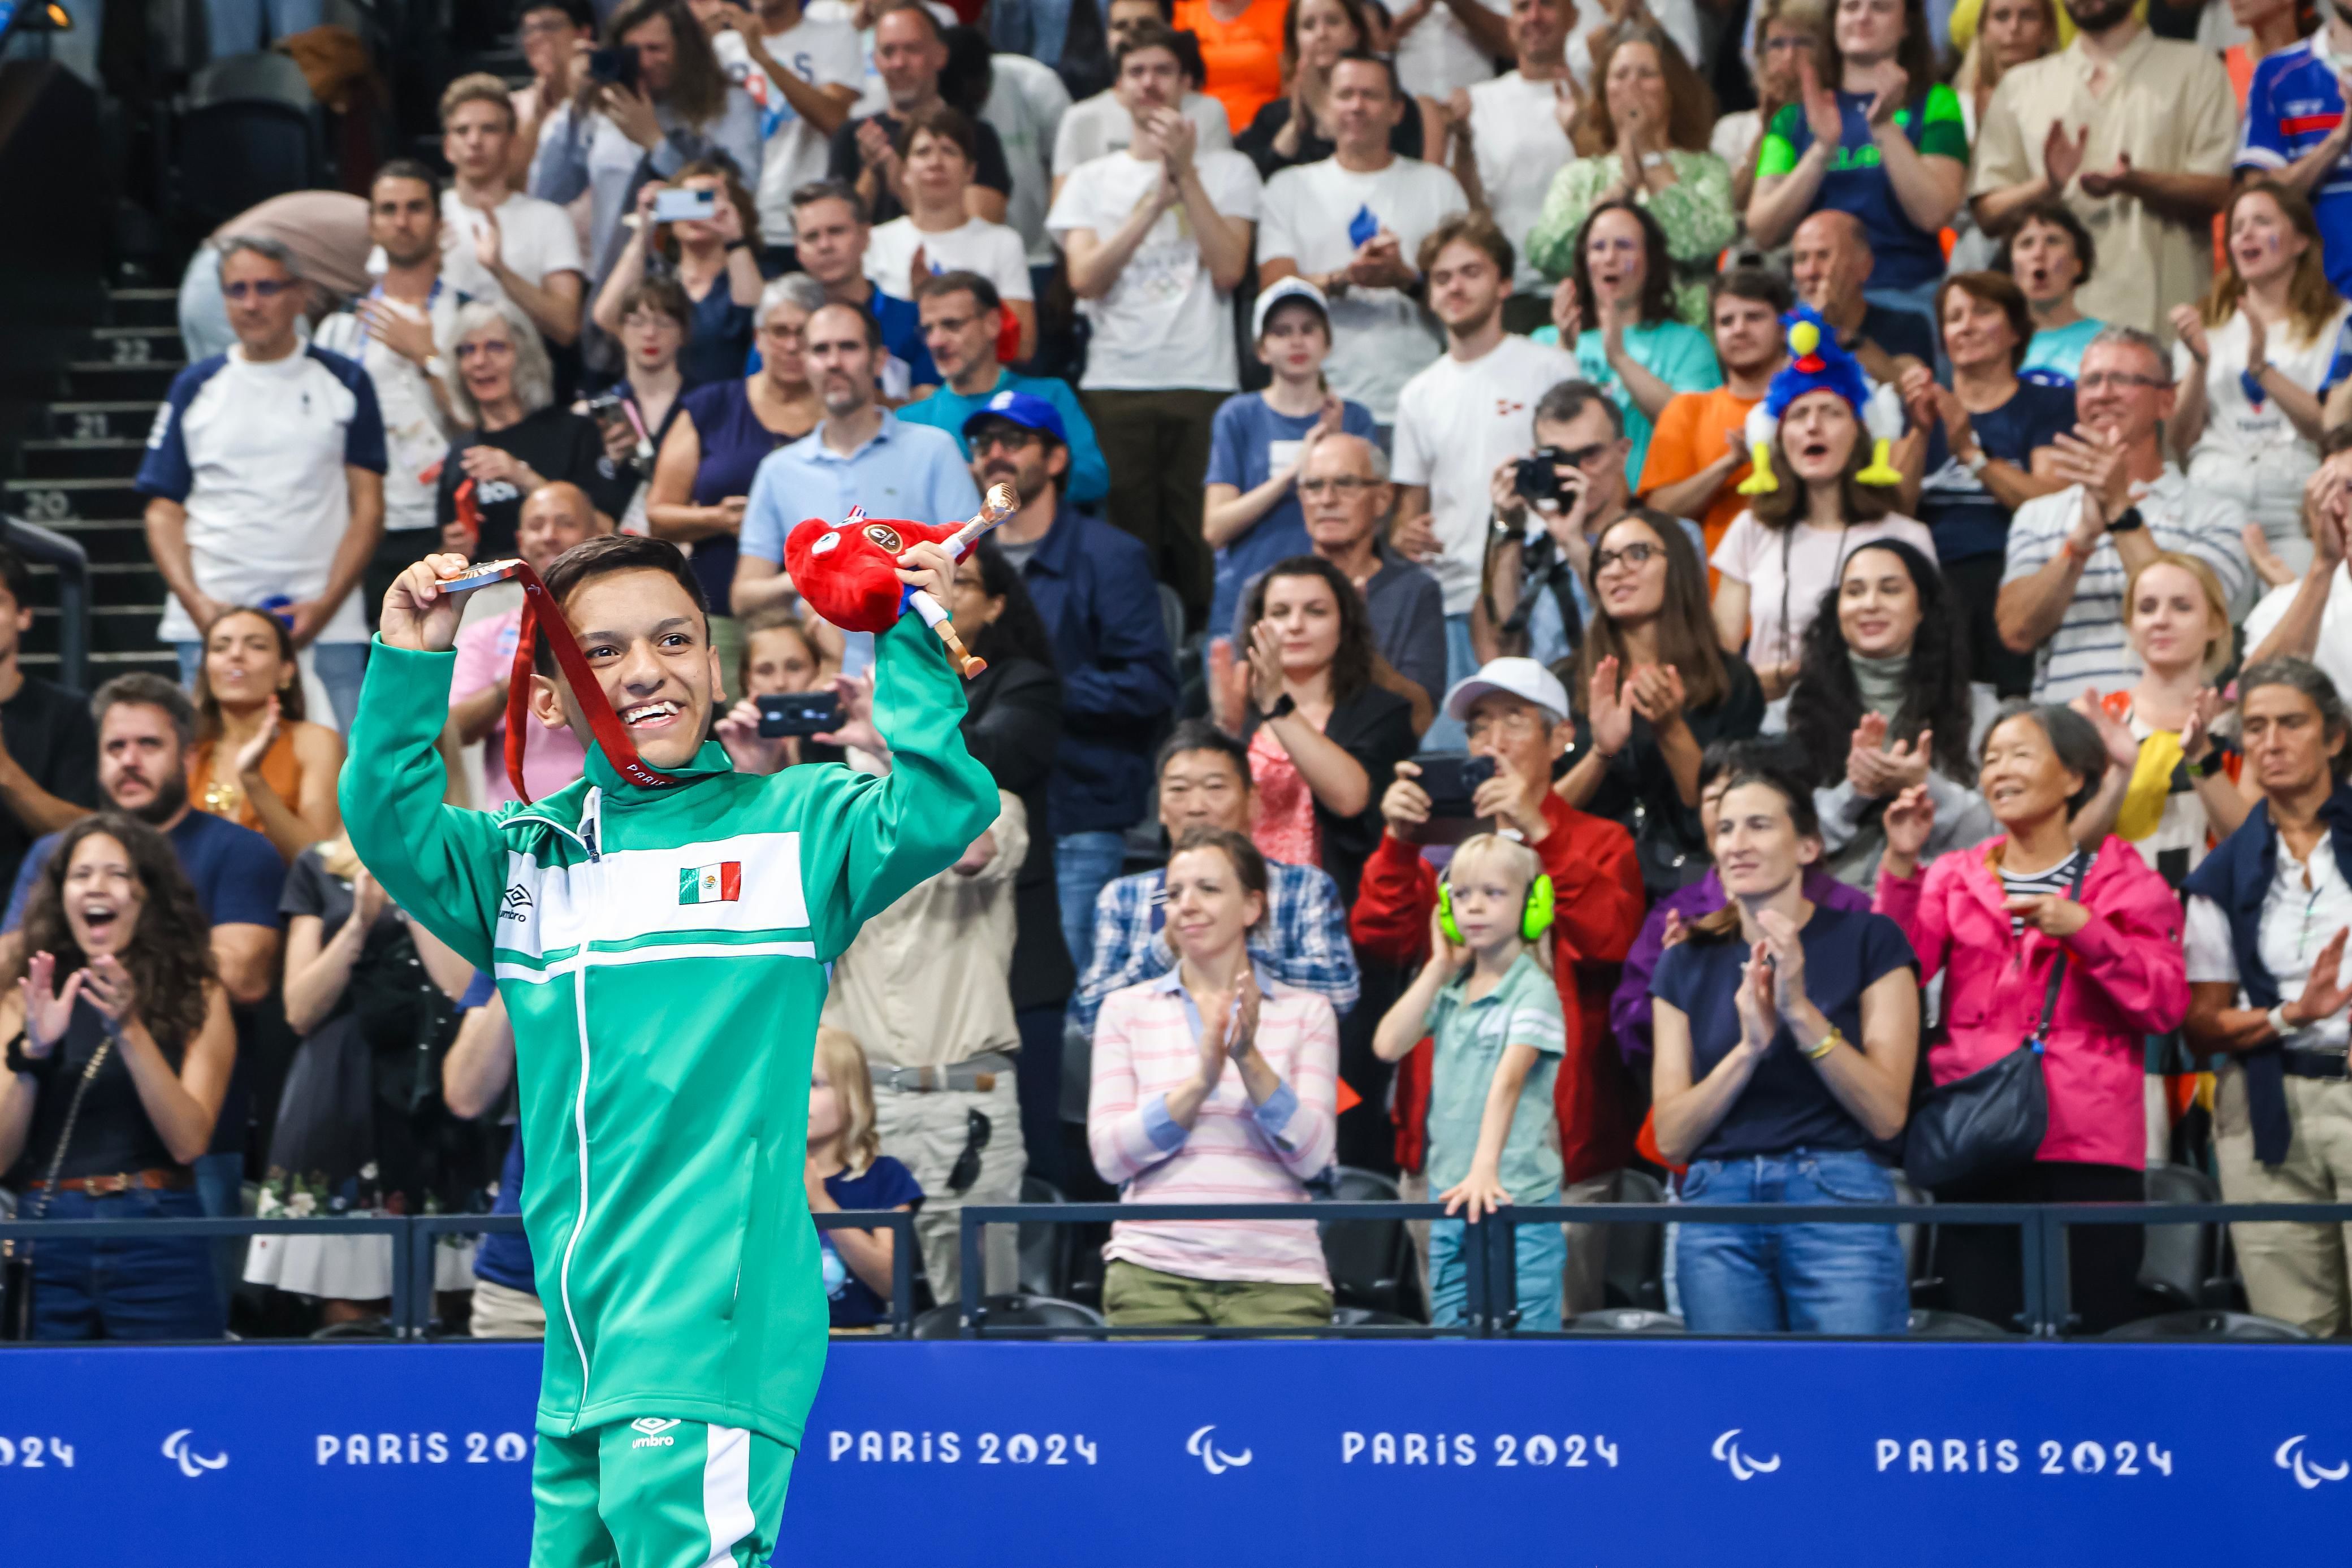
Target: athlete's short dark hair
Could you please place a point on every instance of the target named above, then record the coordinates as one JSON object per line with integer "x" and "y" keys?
{"x": 596, "y": 558}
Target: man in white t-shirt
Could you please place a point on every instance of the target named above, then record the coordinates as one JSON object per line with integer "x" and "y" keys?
{"x": 264, "y": 479}
{"x": 804, "y": 74}
{"x": 1351, "y": 225}
{"x": 1157, "y": 238}
{"x": 1444, "y": 45}
{"x": 2071, "y": 554}
{"x": 1508, "y": 137}
{"x": 496, "y": 243}
{"x": 1464, "y": 420}
{"x": 401, "y": 334}
{"x": 1097, "y": 126}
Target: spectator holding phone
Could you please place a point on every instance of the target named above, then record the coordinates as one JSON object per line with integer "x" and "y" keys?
{"x": 723, "y": 432}
{"x": 121, "y": 1029}
{"x": 780, "y": 657}
{"x": 654, "y": 102}
{"x": 1486, "y": 1000}
{"x": 711, "y": 259}
{"x": 519, "y": 440}
{"x": 1993, "y": 919}
{"x": 555, "y": 519}
{"x": 1212, "y": 1084}
{"x": 1786, "y": 1036}
{"x": 1516, "y": 716}
{"x": 634, "y": 414}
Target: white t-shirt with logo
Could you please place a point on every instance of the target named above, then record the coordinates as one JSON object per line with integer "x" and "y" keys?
{"x": 993, "y": 250}
{"x": 535, "y": 238}
{"x": 1163, "y": 323}
{"x": 1380, "y": 337}
{"x": 1454, "y": 423}
{"x": 1099, "y": 126}
{"x": 1515, "y": 126}
{"x": 822, "y": 53}
{"x": 414, "y": 440}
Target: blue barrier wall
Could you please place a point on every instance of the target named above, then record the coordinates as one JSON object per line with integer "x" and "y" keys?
{"x": 1643, "y": 1452}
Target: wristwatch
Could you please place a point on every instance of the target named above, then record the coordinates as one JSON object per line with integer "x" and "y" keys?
{"x": 2277, "y": 1018}
{"x": 1977, "y": 464}
{"x": 1284, "y": 706}
{"x": 2210, "y": 765}
{"x": 2128, "y": 521}
{"x": 437, "y": 367}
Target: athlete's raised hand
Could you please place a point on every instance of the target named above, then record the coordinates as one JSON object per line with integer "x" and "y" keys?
{"x": 416, "y": 614}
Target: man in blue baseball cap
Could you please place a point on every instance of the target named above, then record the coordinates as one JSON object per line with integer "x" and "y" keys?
{"x": 963, "y": 324}
{"x": 1093, "y": 588}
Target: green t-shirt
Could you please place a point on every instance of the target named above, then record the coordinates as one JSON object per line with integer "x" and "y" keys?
{"x": 1907, "y": 255}
{"x": 1470, "y": 1037}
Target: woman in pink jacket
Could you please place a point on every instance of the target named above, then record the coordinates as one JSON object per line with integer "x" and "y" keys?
{"x": 1993, "y": 920}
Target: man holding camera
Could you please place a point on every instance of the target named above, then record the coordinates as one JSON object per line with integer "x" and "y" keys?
{"x": 1516, "y": 716}
{"x": 1463, "y": 415}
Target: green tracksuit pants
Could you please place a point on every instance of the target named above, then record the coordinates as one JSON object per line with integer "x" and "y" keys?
{"x": 657, "y": 1493}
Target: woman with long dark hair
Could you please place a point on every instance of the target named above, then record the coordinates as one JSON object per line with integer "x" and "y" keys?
{"x": 1882, "y": 703}
{"x": 1321, "y": 722}
{"x": 120, "y": 1050}
{"x": 1643, "y": 137}
{"x": 257, "y": 760}
{"x": 1651, "y": 692}
{"x": 1615, "y": 311}
{"x": 2251, "y": 362}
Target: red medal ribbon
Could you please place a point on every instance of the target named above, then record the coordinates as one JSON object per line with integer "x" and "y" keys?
{"x": 540, "y": 613}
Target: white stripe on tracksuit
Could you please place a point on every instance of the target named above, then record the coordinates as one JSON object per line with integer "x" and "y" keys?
{"x": 727, "y": 1491}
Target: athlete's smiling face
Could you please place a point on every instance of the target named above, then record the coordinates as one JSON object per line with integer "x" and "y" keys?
{"x": 650, "y": 648}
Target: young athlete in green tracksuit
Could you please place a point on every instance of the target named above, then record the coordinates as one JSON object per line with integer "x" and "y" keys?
{"x": 660, "y": 951}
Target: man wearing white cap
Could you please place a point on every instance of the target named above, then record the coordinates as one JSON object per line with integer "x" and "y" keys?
{"x": 1516, "y": 713}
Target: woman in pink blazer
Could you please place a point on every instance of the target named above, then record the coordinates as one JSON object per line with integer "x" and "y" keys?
{"x": 1993, "y": 921}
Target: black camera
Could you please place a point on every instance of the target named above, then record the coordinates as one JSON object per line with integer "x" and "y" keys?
{"x": 1538, "y": 477}
{"x": 799, "y": 712}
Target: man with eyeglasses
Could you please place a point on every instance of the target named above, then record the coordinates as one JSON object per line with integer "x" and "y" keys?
{"x": 264, "y": 479}
{"x": 2072, "y": 554}
{"x": 1539, "y": 555}
{"x": 1515, "y": 712}
{"x": 1464, "y": 418}
{"x": 1345, "y": 495}
{"x": 1204, "y": 782}
{"x": 1093, "y": 588}
{"x": 963, "y": 326}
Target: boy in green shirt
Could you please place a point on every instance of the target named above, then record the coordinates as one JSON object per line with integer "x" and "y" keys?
{"x": 660, "y": 947}
{"x": 1486, "y": 1000}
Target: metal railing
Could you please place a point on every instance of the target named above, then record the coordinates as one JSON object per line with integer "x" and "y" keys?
{"x": 1491, "y": 1269}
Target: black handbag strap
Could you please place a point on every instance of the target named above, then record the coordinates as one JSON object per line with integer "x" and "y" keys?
{"x": 2058, "y": 969}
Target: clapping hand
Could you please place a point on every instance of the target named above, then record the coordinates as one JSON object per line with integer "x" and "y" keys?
{"x": 1822, "y": 116}
{"x": 2097, "y": 461}
{"x": 249, "y": 754}
{"x": 2189, "y": 326}
{"x": 2061, "y": 157}
{"x": 2324, "y": 993}
{"x": 1879, "y": 770}
{"x": 1657, "y": 695}
{"x": 47, "y": 1009}
{"x": 2123, "y": 747}
{"x": 2197, "y": 731}
{"x": 1906, "y": 823}
{"x": 369, "y": 900}
{"x": 1265, "y": 667}
{"x": 1675, "y": 932}
{"x": 1760, "y": 1015}
{"x": 1788, "y": 953}
{"x": 1567, "y": 313}
{"x": 2108, "y": 181}
{"x": 1610, "y": 710}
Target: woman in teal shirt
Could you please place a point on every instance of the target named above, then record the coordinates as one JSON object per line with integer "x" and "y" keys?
{"x": 1888, "y": 146}
{"x": 1618, "y": 308}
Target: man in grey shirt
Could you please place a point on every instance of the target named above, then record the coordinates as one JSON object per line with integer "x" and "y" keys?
{"x": 1344, "y": 491}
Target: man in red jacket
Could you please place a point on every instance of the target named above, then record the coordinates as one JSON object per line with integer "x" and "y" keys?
{"x": 1516, "y": 712}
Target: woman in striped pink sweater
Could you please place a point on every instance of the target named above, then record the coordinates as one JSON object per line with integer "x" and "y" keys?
{"x": 1210, "y": 1089}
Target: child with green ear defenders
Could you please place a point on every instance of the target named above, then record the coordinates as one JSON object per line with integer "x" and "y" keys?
{"x": 1487, "y": 999}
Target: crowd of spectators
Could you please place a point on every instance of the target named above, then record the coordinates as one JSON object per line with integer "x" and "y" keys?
{"x": 1547, "y": 630}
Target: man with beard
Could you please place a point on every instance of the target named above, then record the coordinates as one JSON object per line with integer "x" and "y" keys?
{"x": 1092, "y": 585}
{"x": 1698, "y": 453}
{"x": 860, "y": 454}
{"x": 400, "y": 333}
{"x": 2136, "y": 133}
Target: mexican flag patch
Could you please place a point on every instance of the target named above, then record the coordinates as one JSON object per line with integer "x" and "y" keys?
{"x": 721, "y": 883}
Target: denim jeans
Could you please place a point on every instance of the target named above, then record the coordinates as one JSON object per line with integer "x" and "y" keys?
{"x": 1083, "y": 864}
{"x": 1813, "y": 1278}
{"x": 1540, "y": 1255}
{"x": 340, "y": 667}
{"x": 235, "y": 26}
{"x": 138, "y": 1289}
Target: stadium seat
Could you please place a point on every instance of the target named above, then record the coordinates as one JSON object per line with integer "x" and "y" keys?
{"x": 1625, "y": 1320}
{"x": 1925, "y": 1324}
{"x": 1636, "y": 1258}
{"x": 1365, "y": 1318}
{"x": 251, "y": 131}
{"x": 1047, "y": 1251}
{"x": 2179, "y": 1263}
{"x": 1009, "y": 1313}
{"x": 2207, "y": 1325}
{"x": 1371, "y": 1260}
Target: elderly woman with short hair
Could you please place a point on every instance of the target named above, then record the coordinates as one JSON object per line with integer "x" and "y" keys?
{"x": 505, "y": 389}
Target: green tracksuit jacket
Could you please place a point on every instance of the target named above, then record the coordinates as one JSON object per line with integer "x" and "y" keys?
{"x": 660, "y": 953}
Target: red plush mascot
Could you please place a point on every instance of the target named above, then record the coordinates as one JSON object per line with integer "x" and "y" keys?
{"x": 849, "y": 572}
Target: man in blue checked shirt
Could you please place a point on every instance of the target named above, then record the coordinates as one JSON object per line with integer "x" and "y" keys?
{"x": 1204, "y": 782}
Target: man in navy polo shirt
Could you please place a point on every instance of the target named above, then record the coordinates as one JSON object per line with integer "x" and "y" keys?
{"x": 264, "y": 476}
{"x": 1093, "y": 588}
